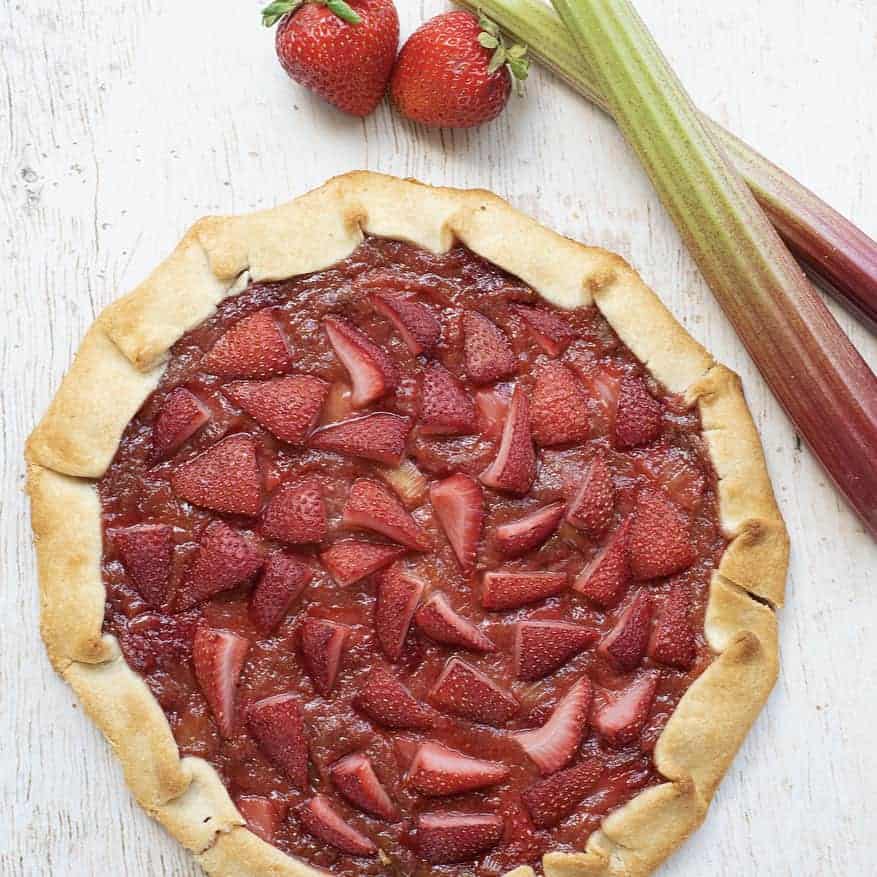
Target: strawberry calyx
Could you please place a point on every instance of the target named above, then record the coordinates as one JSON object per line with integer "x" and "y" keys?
{"x": 273, "y": 12}
{"x": 513, "y": 57}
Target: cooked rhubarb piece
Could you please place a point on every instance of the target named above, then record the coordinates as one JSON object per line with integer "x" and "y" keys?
{"x": 218, "y": 657}
{"x": 372, "y": 372}
{"x": 415, "y": 322}
{"x": 463, "y": 691}
{"x": 541, "y": 647}
{"x": 372, "y": 506}
{"x": 355, "y": 777}
{"x": 437, "y": 771}
{"x": 296, "y": 513}
{"x": 459, "y": 506}
{"x": 488, "y": 354}
{"x": 181, "y": 416}
{"x": 277, "y": 725}
{"x": 254, "y": 347}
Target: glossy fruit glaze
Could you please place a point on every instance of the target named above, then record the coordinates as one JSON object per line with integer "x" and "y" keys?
{"x": 158, "y": 643}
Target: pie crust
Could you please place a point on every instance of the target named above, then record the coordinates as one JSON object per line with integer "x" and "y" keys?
{"x": 119, "y": 364}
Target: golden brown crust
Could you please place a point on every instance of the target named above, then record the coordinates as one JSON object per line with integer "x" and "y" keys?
{"x": 116, "y": 369}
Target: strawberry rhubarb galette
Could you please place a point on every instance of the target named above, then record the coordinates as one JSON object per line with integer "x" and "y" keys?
{"x": 388, "y": 532}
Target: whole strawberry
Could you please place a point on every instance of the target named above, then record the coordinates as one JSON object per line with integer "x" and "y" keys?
{"x": 455, "y": 72}
{"x": 344, "y": 51}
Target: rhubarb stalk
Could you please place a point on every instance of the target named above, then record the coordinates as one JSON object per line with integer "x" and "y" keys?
{"x": 819, "y": 377}
{"x": 840, "y": 257}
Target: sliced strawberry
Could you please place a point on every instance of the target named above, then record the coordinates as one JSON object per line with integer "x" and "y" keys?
{"x": 660, "y": 537}
{"x": 466, "y": 692}
{"x": 356, "y": 779}
{"x": 590, "y": 510}
{"x": 514, "y": 467}
{"x": 224, "y": 559}
{"x": 296, "y": 513}
{"x": 488, "y": 356}
{"x": 548, "y": 330}
{"x": 372, "y": 372}
{"x": 385, "y": 700}
{"x": 287, "y": 407}
{"x": 555, "y": 744}
{"x": 416, "y": 323}
{"x": 459, "y": 506}
{"x": 254, "y": 347}
{"x": 321, "y": 645}
{"x": 445, "y": 407}
{"x": 320, "y": 819}
{"x": 438, "y": 770}
{"x": 263, "y": 816}
{"x": 350, "y": 560}
{"x": 283, "y": 579}
{"x": 399, "y": 592}
{"x": 558, "y": 407}
{"x": 277, "y": 726}
{"x": 606, "y": 578}
{"x": 218, "y": 657}
{"x": 521, "y": 535}
{"x": 441, "y": 623}
{"x": 181, "y": 416}
{"x": 623, "y": 714}
{"x": 448, "y": 838}
{"x": 551, "y": 800}
{"x": 625, "y": 645}
{"x": 380, "y": 437}
{"x": 674, "y": 641}
{"x": 511, "y": 590}
{"x": 638, "y": 414}
{"x": 492, "y": 406}
{"x": 147, "y": 551}
{"x": 541, "y": 647}
{"x": 372, "y": 506}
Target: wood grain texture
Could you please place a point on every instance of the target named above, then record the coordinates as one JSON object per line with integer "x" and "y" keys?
{"x": 122, "y": 123}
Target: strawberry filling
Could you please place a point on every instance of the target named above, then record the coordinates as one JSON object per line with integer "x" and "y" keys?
{"x": 418, "y": 562}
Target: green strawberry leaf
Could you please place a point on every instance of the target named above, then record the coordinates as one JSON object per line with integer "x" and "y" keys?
{"x": 343, "y": 11}
{"x": 498, "y": 59}
{"x": 273, "y": 12}
{"x": 489, "y": 41}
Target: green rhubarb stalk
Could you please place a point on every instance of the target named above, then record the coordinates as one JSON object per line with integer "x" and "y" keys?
{"x": 811, "y": 366}
{"x": 840, "y": 257}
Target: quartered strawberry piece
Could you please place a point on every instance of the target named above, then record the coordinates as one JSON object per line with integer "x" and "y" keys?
{"x": 437, "y": 771}
{"x": 441, "y": 623}
{"x": 385, "y": 700}
{"x": 511, "y": 590}
{"x": 459, "y": 506}
{"x": 287, "y": 407}
{"x": 399, "y": 592}
{"x": 277, "y": 726}
{"x": 514, "y": 466}
{"x": 555, "y": 744}
{"x": 623, "y": 714}
{"x": 218, "y": 657}
{"x": 380, "y": 437}
{"x": 263, "y": 815}
{"x": 488, "y": 356}
{"x": 660, "y": 537}
{"x": 638, "y": 414}
{"x": 350, "y": 560}
{"x": 296, "y": 513}
{"x": 492, "y": 407}
{"x": 254, "y": 347}
{"x": 625, "y": 645}
{"x": 415, "y": 322}
{"x": 372, "y": 506}
{"x": 541, "y": 647}
{"x": 321, "y": 645}
{"x": 224, "y": 559}
{"x": 606, "y": 578}
{"x": 147, "y": 551}
{"x": 590, "y": 509}
{"x": 181, "y": 416}
{"x": 225, "y": 477}
{"x": 372, "y": 372}
{"x": 355, "y": 777}
{"x": 551, "y": 800}
{"x": 523, "y": 534}
{"x": 548, "y": 330}
{"x": 319, "y": 818}
{"x": 448, "y": 838}
{"x": 463, "y": 691}
{"x": 283, "y": 579}
{"x": 673, "y": 639}
{"x": 558, "y": 407}
{"x": 445, "y": 407}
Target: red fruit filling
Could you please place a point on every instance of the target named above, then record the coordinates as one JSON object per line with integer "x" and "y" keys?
{"x": 416, "y": 561}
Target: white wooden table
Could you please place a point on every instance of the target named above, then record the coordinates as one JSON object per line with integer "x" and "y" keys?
{"x": 121, "y": 123}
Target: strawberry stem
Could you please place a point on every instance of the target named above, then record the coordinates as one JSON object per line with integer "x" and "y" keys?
{"x": 273, "y": 12}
